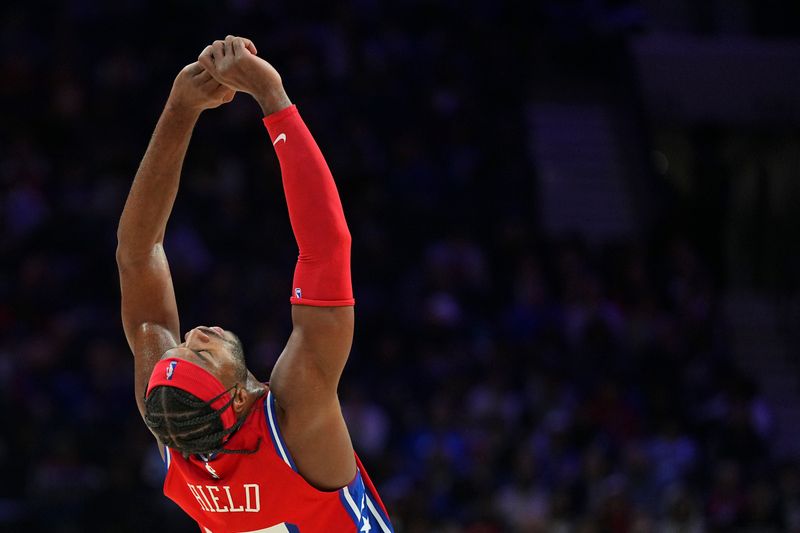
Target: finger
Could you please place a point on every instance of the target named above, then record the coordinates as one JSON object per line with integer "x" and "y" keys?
{"x": 215, "y": 87}
{"x": 229, "y": 49}
{"x": 211, "y": 85}
{"x": 228, "y": 96}
{"x": 204, "y": 76}
{"x": 250, "y": 46}
{"x": 206, "y": 58}
{"x": 239, "y": 47}
{"x": 222, "y": 92}
{"x": 218, "y": 50}
{"x": 193, "y": 69}
{"x": 215, "y": 77}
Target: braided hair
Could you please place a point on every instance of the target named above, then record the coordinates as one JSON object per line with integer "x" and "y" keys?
{"x": 184, "y": 422}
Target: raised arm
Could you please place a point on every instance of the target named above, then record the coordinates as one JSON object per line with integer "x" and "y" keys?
{"x": 149, "y": 310}
{"x": 322, "y": 293}
{"x": 306, "y": 375}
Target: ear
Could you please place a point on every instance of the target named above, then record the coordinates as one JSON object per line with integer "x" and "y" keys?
{"x": 240, "y": 397}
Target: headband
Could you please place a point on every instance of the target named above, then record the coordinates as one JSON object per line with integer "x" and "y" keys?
{"x": 195, "y": 380}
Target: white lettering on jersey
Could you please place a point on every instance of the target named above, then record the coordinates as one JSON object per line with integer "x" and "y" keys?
{"x": 205, "y": 494}
{"x": 196, "y": 495}
{"x": 257, "y": 498}
{"x": 232, "y": 508}
{"x": 211, "y": 489}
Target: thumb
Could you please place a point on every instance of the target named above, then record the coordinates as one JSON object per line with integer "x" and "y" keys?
{"x": 250, "y": 46}
{"x": 240, "y": 44}
{"x": 206, "y": 61}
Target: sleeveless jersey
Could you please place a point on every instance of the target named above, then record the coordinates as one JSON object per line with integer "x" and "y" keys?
{"x": 263, "y": 492}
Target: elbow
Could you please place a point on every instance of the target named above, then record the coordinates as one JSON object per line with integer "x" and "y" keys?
{"x": 342, "y": 238}
{"x": 133, "y": 247}
{"x": 123, "y": 252}
{"x": 124, "y": 256}
{"x": 128, "y": 256}
{"x": 336, "y": 240}
{"x": 331, "y": 247}
{"x": 339, "y": 243}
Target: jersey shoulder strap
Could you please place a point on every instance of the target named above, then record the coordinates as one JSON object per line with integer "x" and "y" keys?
{"x": 271, "y": 418}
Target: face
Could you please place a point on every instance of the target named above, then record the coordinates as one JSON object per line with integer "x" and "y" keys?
{"x": 214, "y": 349}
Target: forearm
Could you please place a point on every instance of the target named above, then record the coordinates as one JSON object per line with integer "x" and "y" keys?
{"x": 272, "y": 100}
{"x": 322, "y": 276}
{"x": 155, "y": 186}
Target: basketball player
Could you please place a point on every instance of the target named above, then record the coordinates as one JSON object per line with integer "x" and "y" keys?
{"x": 242, "y": 455}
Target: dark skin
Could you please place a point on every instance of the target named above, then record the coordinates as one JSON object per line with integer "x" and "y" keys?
{"x": 305, "y": 378}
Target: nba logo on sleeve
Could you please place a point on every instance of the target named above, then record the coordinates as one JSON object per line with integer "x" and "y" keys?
{"x": 171, "y": 369}
{"x": 298, "y": 293}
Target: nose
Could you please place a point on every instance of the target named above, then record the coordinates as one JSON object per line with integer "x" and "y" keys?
{"x": 196, "y": 333}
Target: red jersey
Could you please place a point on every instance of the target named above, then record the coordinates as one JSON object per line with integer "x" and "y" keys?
{"x": 263, "y": 492}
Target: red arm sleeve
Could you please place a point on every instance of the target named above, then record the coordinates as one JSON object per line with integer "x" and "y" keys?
{"x": 322, "y": 274}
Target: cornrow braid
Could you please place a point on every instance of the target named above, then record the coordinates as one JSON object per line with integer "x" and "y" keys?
{"x": 184, "y": 422}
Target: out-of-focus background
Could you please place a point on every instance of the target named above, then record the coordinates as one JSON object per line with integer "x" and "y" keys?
{"x": 576, "y": 253}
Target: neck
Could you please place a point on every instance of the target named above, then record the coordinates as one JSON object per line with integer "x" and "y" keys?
{"x": 255, "y": 390}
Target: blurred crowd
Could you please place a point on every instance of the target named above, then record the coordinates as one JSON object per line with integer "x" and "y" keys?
{"x": 500, "y": 380}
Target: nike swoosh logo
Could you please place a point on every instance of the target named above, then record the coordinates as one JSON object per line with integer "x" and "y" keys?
{"x": 281, "y": 137}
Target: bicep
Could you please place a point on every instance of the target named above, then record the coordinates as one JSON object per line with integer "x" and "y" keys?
{"x": 149, "y": 313}
{"x": 307, "y": 372}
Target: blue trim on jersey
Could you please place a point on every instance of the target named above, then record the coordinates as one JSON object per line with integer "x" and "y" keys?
{"x": 352, "y": 499}
{"x": 356, "y": 519}
{"x": 291, "y": 528}
{"x": 275, "y": 432}
{"x": 167, "y": 459}
{"x": 373, "y": 510}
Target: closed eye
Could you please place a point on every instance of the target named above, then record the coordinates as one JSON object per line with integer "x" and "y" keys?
{"x": 199, "y": 353}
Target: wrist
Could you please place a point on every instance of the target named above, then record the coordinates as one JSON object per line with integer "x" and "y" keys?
{"x": 179, "y": 109}
{"x": 272, "y": 100}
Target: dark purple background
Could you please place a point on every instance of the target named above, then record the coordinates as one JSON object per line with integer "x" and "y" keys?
{"x": 575, "y": 253}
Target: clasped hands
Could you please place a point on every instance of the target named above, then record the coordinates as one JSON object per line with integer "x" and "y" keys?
{"x": 224, "y": 68}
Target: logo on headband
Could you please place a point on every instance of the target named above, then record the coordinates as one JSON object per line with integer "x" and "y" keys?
{"x": 171, "y": 369}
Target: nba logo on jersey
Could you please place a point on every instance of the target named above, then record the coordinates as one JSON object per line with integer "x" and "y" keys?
{"x": 298, "y": 293}
{"x": 212, "y": 471}
{"x": 171, "y": 369}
